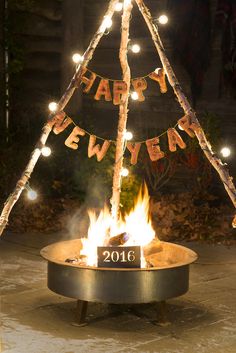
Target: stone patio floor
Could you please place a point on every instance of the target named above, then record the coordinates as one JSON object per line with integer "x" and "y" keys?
{"x": 36, "y": 320}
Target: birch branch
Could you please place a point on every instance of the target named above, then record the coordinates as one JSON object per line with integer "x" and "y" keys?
{"x": 14, "y": 196}
{"x": 183, "y": 101}
{"x": 123, "y": 110}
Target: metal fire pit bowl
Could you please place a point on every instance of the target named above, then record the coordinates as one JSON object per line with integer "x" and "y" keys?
{"x": 118, "y": 285}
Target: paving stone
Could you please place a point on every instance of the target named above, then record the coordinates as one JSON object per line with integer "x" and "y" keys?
{"x": 36, "y": 320}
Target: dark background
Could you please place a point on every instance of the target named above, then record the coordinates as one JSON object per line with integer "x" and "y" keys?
{"x": 42, "y": 36}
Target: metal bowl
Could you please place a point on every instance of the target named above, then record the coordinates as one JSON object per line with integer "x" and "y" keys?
{"x": 118, "y": 285}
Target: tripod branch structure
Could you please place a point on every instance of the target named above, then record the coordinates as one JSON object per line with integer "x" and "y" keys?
{"x": 205, "y": 145}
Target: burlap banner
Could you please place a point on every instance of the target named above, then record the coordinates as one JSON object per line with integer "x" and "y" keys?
{"x": 61, "y": 121}
{"x": 112, "y": 90}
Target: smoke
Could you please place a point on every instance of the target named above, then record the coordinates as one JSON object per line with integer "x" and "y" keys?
{"x": 96, "y": 196}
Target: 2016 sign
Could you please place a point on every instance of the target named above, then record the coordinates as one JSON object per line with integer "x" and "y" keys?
{"x": 119, "y": 256}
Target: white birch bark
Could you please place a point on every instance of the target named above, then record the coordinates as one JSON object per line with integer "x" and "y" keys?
{"x": 205, "y": 145}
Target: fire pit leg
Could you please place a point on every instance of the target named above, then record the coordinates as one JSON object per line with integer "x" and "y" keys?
{"x": 81, "y": 310}
{"x": 162, "y": 318}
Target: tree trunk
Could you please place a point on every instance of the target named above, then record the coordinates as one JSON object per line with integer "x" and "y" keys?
{"x": 12, "y": 199}
{"x": 123, "y": 110}
{"x": 183, "y": 101}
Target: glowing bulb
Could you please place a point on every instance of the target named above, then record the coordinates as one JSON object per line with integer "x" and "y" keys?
{"x": 119, "y": 7}
{"x": 163, "y": 19}
{"x": 77, "y": 58}
{"x": 46, "y": 151}
{"x": 225, "y": 151}
{"x": 124, "y": 172}
{"x": 128, "y": 135}
{"x": 52, "y": 107}
{"x": 180, "y": 127}
{"x": 107, "y": 23}
{"x": 134, "y": 96}
{"x": 32, "y": 195}
{"x": 135, "y": 48}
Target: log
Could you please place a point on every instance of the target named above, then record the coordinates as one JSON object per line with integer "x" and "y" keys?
{"x": 14, "y": 196}
{"x": 205, "y": 145}
{"x": 123, "y": 110}
{"x": 152, "y": 248}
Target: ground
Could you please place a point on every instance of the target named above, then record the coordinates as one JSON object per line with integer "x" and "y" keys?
{"x": 36, "y": 320}
{"x": 180, "y": 217}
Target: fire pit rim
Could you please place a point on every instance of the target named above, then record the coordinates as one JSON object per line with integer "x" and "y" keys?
{"x": 192, "y": 257}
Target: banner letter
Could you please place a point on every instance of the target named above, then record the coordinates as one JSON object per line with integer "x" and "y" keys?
{"x": 174, "y": 139}
{"x": 119, "y": 88}
{"x": 103, "y": 90}
{"x": 154, "y": 149}
{"x": 159, "y": 76}
{"x": 97, "y": 149}
{"x": 73, "y": 139}
{"x": 134, "y": 149}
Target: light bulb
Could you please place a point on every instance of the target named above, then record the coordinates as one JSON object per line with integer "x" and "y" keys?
{"x": 128, "y": 135}
{"x": 226, "y": 152}
{"x": 135, "y": 48}
{"x": 134, "y": 96}
{"x": 77, "y": 58}
{"x": 46, "y": 151}
{"x": 32, "y": 195}
{"x": 163, "y": 19}
{"x": 124, "y": 172}
{"x": 119, "y": 7}
{"x": 52, "y": 107}
{"x": 107, "y": 23}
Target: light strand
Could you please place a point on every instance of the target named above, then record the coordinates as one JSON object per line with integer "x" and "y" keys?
{"x": 113, "y": 80}
{"x": 113, "y": 141}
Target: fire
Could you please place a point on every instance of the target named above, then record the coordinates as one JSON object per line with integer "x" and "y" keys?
{"x": 136, "y": 224}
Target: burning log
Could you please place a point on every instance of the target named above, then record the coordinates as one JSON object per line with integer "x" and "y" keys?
{"x": 118, "y": 240}
{"x": 81, "y": 260}
{"x": 152, "y": 248}
{"x": 72, "y": 261}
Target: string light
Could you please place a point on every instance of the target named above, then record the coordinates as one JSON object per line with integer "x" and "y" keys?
{"x": 77, "y": 58}
{"x": 46, "y": 151}
{"x": 124, "y": 172}
{"x": 128, "y": 135}
{"x": 226, "y": 152}
{"x": 52, "y": 107}
{"x": 31, "y": 194}
{"x": 119, "y": 7}
{"x": 134, "y": 96}
{"x": 107, "y": 23}
{"x": 135, "y": 48}
{"x": 163, "y": 19}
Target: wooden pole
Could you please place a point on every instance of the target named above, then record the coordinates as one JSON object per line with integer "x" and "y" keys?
{"x": 123, "y": 110}
{"x": 205, "y": 145}
{"x": 14, "y": 196}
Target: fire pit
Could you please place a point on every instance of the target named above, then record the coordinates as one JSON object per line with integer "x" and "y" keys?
{"x": 167, "y": 279}
{"x": 132, "y": 266}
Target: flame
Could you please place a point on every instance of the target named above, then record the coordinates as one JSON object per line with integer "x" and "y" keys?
{"x": 136, "y": 223}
